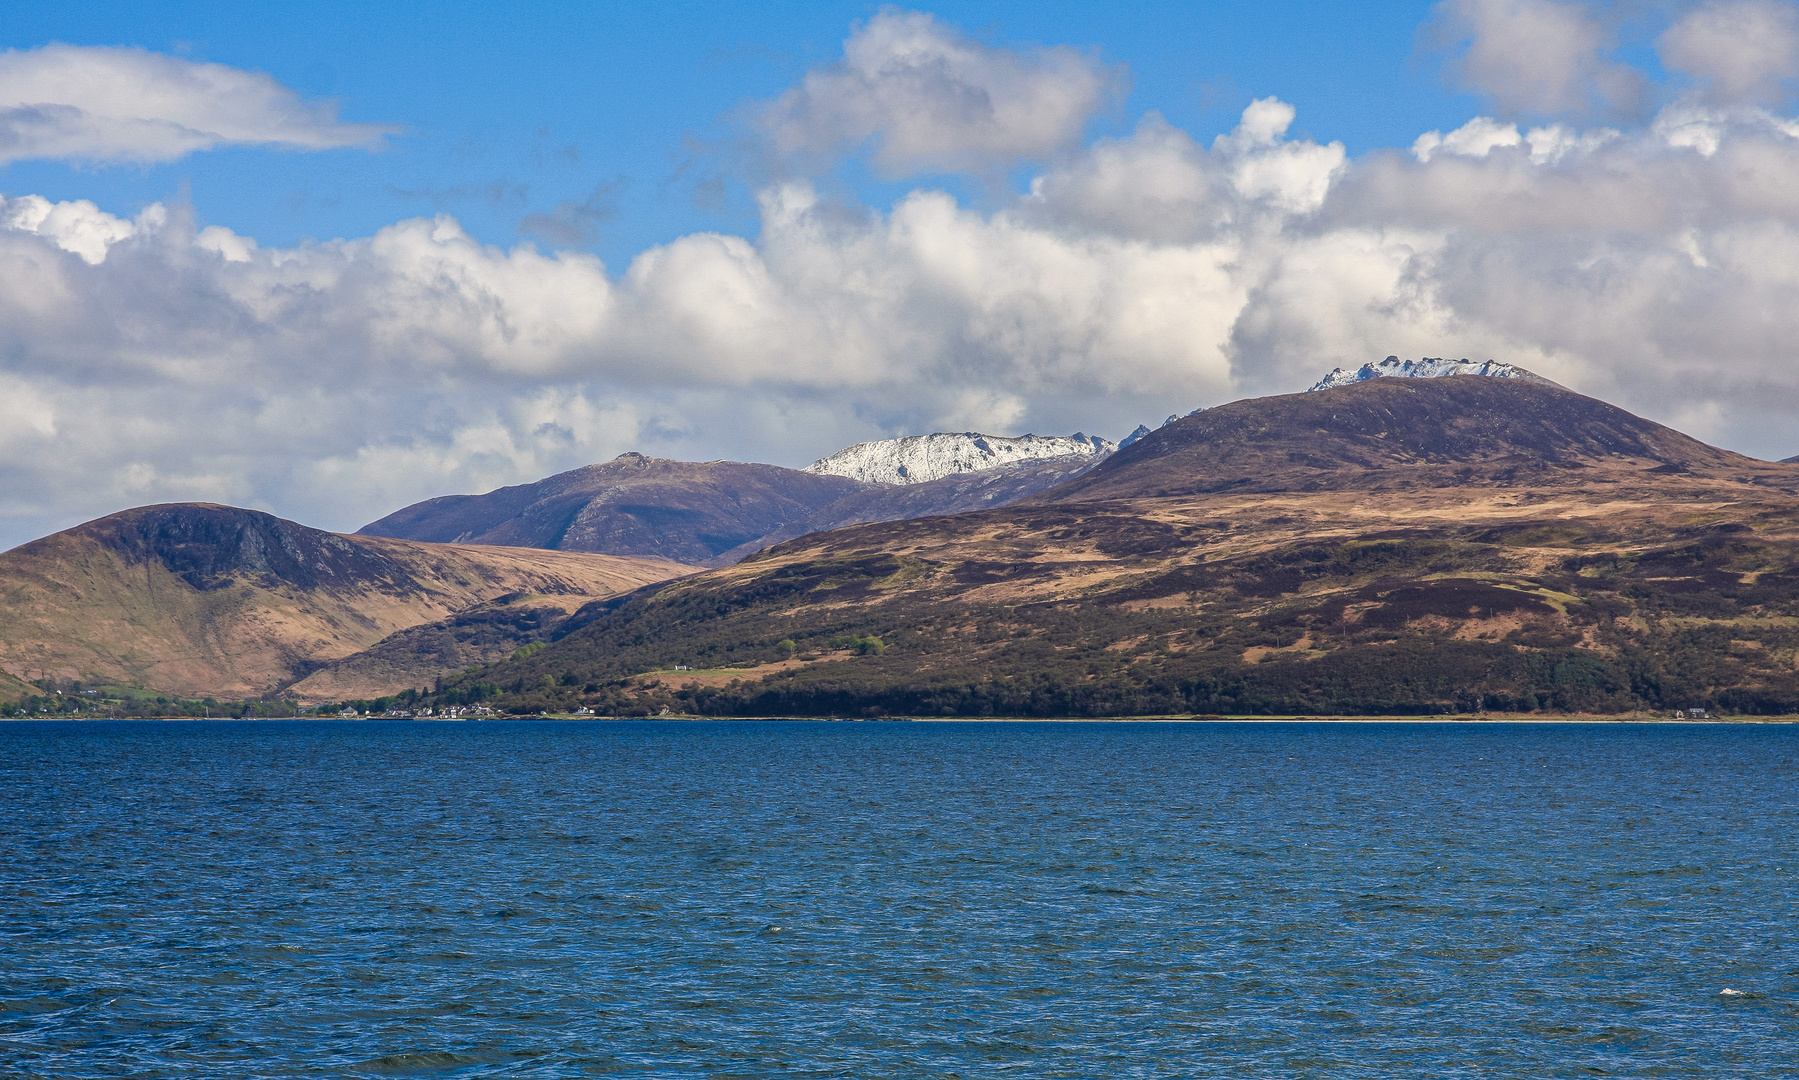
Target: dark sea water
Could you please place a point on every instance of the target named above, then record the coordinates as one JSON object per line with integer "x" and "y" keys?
{"x": 300, "y": 899}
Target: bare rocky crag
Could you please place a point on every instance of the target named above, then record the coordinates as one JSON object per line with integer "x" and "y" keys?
{"x": 1428, "y": 367}
{"x": 205, "y": 600}
{"x": 920, "y": 459}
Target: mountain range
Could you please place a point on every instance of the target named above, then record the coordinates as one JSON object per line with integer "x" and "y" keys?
{"x": 1381, "y": 544}
{"x": 1385, "y": 546}
{"x": 714, "y": 513}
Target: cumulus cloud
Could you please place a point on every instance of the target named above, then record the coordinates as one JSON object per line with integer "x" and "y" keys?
{"x": 1537, "y": 57}
{"x": 77, "y": 226}
{"x": 931, "y": 100}
{"x": 109, "y": 104}
{"x": 1738, "y": 50}
{"x": 335, "y": 380}
{"x": 149, "y": 358}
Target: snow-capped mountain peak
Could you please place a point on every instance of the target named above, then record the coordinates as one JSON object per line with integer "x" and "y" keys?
{"x": 1142, "y": 430}
{"x": 918, "y": 459}
{"x": 1428, "y": 367}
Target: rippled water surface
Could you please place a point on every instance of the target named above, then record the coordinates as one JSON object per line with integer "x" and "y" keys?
{"x": 291, "y": 899}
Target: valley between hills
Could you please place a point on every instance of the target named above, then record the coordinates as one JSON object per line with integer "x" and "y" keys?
{"x": 1392, "y": 546}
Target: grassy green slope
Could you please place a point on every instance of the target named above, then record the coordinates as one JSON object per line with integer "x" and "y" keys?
{"x": 13, "y": 690}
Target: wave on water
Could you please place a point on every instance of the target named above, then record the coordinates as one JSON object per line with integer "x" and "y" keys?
{"x": 895, "y": 901}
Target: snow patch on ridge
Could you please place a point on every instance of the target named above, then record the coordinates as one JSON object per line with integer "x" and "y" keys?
{"x": 1429, "y": 367}
{"x": 919, "y": 459}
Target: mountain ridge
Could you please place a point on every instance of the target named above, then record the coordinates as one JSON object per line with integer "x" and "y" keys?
{"x": 1388, "y": 545}
{"x": 920, "y": 459}
{"x": 633, "y": 505}
{"x": 1360, "y": 578}
{"x": 1399, "y": 432}
{"x": 1429, "y": 367}
{"x": 706, "y": 514}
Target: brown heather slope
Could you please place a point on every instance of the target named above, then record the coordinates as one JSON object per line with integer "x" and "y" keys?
{"x": 1409, "y": 434}
{"x": 415, "y": 657}
{"x": 633, "y": 505}
{"x": 205, "y": 600}
{"x": 1391, "y": 546}
{"x": 958, "y": 494}
{"x": 704, "y": 513}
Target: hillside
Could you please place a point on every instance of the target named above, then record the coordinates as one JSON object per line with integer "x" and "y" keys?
{"x": 957, "y": 493}
{"x": 1389, "y": 546}
{"x": 197, "y": 599}
{"x": 634, "y": 505}
{"x": 1407, "y": 434}
{"x": 413, "y": 658}
{"x": 709, "y": 514}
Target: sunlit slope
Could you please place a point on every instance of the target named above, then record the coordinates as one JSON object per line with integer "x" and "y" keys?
{"x": 706, "y": 513}
{"x": 1383, "y": 547}
{"x": 200, "y": 599}
{"x": 633, "y": 505}
{"x": 1409, "y": 435}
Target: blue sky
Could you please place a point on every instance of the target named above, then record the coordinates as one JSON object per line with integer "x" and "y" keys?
{"x": 508, "y": 110}
{"x": 328, "y": 260}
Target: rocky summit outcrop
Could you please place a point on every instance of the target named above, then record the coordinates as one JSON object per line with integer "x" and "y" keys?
{"x": 202, "y": 600}
{"x": 1428, "y": 367}
{"x": 920, "y": 459}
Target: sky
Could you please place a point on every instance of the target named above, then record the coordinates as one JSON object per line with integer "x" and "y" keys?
{"x": 329, "y": 259}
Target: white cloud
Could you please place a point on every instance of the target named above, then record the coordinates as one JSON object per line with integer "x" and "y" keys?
{"x": 1740, "y": 50}
{"x": 1482, "y": 135}
{"x": 78, "y": 226}
{"x": 106, "y": 104}
{"x": 1542, "y": 57}
{"x": 1294, "y": 176}
{"x": 336, "y": 380}
{"x": 224, "y": 243}
{"x": 1160, "y": 185}
{"x": 931, "y": 100}
{"x": 1474, "y": 139}
{"x": 149, "y": 359}
{"x": 1157, "y": 184}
